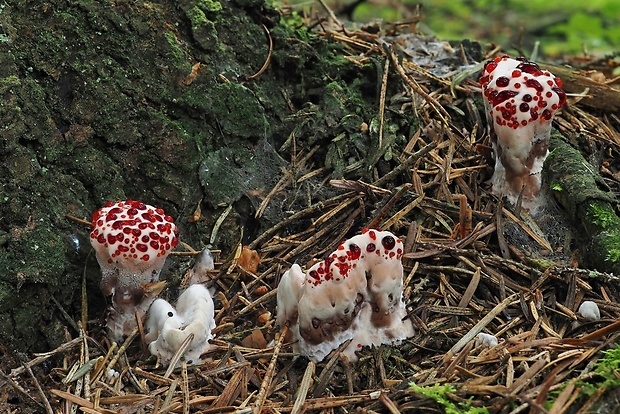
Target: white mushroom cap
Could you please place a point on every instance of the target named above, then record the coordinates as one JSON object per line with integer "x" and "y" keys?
{"x": 355, "y": 293}
{"x": 194, "y": 314}
{"x": 589, "y": 310}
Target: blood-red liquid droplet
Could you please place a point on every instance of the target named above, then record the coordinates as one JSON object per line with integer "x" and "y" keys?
{"x": 388, "y": 242}
{"x": 502, "y": 81}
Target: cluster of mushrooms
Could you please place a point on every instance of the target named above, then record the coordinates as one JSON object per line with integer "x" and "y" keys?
{"x": 355, "y": 293}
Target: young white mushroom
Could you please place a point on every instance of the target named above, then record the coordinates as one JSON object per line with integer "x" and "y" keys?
{"x": 355, "y": 293}
{"x": 199, "y": 273}
{"x": 487, "y": 340}
{"x": 131, "y": 240}
{"x": 169, "y": 327}
{"x": 520, "y": 101}
{"x": 589, "y": 310}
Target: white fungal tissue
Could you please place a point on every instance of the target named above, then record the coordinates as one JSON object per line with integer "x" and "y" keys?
{"x": 589, "y": 310}
{"x": 355, "y": 293}
{"x": 168, "y": 327}
{"x": 487, "y": 340}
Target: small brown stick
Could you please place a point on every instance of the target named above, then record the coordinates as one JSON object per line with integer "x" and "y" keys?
{"x": 266, "y": 64}
{"x": 46, "y": 402}
{"x": 252, "y": 305}
{"x": 387, "y": 206}
{"x": 413, "y": 84}
{"x": 406, "y": 164}
{"x": 44, "y": 357}
{"x": 389, "y": 404}
{"x": 304, "y": 386}
{"x": 307, "y": 211}
{"x": 465, "y": 217}
{"x": 269, "y": 374}
{"x": 177, "y": 355}
{"x": 477, "y": 328}
{"x": 185, "y": 387}
{"x": 78, "y": 220}
{"x": 384, "y": 80}
{"x": 122, "y": 349}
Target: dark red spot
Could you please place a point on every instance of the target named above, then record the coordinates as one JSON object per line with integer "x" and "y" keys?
{"x": 502, "y": 97}
{"x": 533, "y": 83}
{"x": 123, "y": 248}
{"x": 516, "y": 73}
{"x": 490, "y": 66}
{"x": 154, "y": 245}
{"x": 314, "y": 275}
{"x": 132, "y": 212}
{"x": 388, "y": 242}
{"x": 560, "y": 93}
{"x": 529, "y": 67}
{"x": 142, "y": 247}
{"x": 148, "y": 217}
{"x": 527, "y": 98}
{"x": 101, "y": 239}
{"x": 370, "y": 247}
{"x": 343, "y": 267}
{"x": 159, "y": 211}
{"x": 169, "y": 219}
{"x": 111, "y": 239}
{"x": 136, "y": 232}
{"x": 354, "y": 251}
{"x": 126, "y": 230}
{"x": 145, "y": 257}
{"x": 524, "y": 107}
{"x": 142, "y": 226}
{"x": 145, "y": 239}
{"x": 546, "y": 114}
{"x": 502, "y": 81}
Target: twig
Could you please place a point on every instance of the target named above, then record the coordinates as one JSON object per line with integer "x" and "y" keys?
{"x": 269, "y": 374}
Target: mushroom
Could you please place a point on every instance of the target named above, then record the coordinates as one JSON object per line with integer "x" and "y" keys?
{"x": 199, "y": 273}
{"x": 589, "y": 310}
{"x": 486, "y": 340}
{"x": 131, "y": 240}
{"x": 520, "y": 102}
{"x": 355, "y": 293}
{"x": 167, "y": 327}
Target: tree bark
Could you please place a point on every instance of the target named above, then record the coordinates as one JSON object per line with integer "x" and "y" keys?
{"x": 582, "y": 193}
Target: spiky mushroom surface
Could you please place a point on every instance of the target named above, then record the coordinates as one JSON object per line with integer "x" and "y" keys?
{"x": 168, "y": 327}
{"x": 355, "y": 293}
{"x": 131, "y": 240}
{"x": 520, "y": 102}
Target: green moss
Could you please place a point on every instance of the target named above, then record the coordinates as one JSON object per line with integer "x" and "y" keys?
{"x": 176, "y": 53}
{"x": 438, "y": 393}
{"x": 196, "y": 16}
{"x": 602, "y": 215}
{"x": 210, "y": 6}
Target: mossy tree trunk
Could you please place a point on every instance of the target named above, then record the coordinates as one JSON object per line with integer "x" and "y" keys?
{"x": 581, "y": 192}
